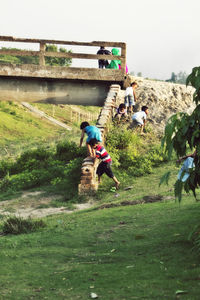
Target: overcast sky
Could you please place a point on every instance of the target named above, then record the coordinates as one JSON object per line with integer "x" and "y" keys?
{"x": 162, "y": 36}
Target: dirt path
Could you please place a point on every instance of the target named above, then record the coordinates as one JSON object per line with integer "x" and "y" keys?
{"x": 32, "y": 204}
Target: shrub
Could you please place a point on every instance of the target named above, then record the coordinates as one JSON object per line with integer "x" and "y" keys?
{"x": 71, "y": 178}
{"x": 17, "y": 225}
{"x": 67, "y": 151}
{"x": 157, "y": 155}
{"x": 194, "y": 237}
{"x": 121, "y": 138}
{"x": 5, "y": 167}
{"x": 132, "y": 152}
{"x": 32, "y": 159}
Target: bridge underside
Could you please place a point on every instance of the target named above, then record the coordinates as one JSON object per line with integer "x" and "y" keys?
{"x": 58, "y": 85}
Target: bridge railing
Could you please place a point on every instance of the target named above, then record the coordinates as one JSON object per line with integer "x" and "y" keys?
{"x": 42, "y": 53}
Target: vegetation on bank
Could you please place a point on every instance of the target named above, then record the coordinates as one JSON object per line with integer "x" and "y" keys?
{"x": 49, "y": 61}
{"x": 20, "y": 130}
{"x": 182, "y": 132}
{"x": 59, "y": 167}
{"x": 121, "y": 252}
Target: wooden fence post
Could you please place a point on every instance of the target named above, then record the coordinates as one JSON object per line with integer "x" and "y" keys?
{"x": 41, "y": 56}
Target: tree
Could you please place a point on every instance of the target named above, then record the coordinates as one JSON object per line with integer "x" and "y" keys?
{"x": 182, "y": 132}
{"x": 139, "y": 74}
{"x": 51, "y": 61}
{"x": 173, "y": 77}
{"x": 18, "y": 59}
{"x": 182, "y": 77}
{"x": 178, "y": 78}
{"x": 57, "y": 61}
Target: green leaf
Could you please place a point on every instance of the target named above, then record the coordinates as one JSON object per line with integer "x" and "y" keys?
{"x": 179, "y": 292}
{"x": 178, "y": 187}
{"x": 165, "y": 178}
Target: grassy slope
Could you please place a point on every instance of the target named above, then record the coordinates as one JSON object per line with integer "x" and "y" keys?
{"x": 127, "y": 252}
{"x": 20, "y": 130}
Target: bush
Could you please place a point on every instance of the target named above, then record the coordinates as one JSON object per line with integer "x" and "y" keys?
{"x": 5, "y": 167}
{"x": 67, "y": 151}
{"x": 32, "y": 159}
{"x": 69, "y": 182}
{"x": 194, "y": 237}
{"x": 133, "y": 153}
{"x": 16, "y": 225}
{"x": 121, "y": 138}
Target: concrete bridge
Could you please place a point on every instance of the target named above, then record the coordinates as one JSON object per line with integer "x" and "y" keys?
{"x": 52, "y": 84}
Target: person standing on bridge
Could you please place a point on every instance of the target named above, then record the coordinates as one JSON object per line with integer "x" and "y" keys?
{"x": 92, "y": 132}
{"x": 114, "y": 64}
{"x": 103, "y": 63}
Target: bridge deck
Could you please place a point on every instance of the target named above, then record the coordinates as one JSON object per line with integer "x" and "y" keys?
{"x": 36, "y": 71}
{"x": 43, "y": 71}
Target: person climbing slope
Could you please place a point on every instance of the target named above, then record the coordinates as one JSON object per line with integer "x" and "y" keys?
{"x": 92, "y": 132}
{"x": 106, "y": 161}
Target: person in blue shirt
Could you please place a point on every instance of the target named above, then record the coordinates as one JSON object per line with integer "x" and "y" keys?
{"x": 92, "y": 132}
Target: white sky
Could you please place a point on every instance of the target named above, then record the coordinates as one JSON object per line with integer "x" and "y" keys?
{"x": 162, "y": 36}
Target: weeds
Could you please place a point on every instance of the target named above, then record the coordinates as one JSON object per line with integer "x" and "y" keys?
{"x": 133, "y": 153}
{"x": 17, "y": 225}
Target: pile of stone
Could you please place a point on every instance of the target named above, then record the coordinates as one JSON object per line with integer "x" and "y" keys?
{"x": 163, "y": 99}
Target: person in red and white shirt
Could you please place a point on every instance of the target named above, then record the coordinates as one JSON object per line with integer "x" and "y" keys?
{"x": 105, "y": 164}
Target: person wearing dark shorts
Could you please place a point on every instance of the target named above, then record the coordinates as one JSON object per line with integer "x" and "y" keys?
{"x": 105, "y": 164}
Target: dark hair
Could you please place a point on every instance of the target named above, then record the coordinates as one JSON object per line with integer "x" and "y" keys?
{"x": 84, "y": 124}
{"x": 133, "y": 83}
{"x": 122, "y": 105}
{"x": 93, "y": 142}
{"x": 144, "y": 108}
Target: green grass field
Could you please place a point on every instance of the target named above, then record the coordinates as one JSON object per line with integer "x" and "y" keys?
{"x": 124, "y": 252}
{"x": 132, "y": 252}
{"x": 113, "y": 250}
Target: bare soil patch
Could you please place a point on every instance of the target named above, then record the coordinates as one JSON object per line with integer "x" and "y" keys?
{"x": 29, "y": 204}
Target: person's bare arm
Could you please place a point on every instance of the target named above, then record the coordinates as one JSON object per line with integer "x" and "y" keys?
{"x": 82, "y": 137}
{"x": 134, "y": 96}
{"x": 186, "y": 156}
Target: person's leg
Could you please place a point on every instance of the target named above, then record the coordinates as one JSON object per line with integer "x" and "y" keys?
{"x": 110, "y": 174}
{"x": 118, "y": 118}
{"x": 100, "y": 64}
{"x": 99, "y": 179}
{"x": 100, "y": 171}
{"x": 130, "y": 99}
{"x": 126, "y": 103}
{"x": 117, "y": 183}
{"x": 90, "y": 151}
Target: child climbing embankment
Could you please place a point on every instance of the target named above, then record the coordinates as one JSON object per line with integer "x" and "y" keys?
{"x": 93, "y": 133}
{"x": 106, "y": 161}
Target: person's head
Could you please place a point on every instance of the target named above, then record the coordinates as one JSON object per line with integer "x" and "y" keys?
{"x": 122, "y": 107}
{"x": 145, "y": 109}
{"x": 83, "y": 125}
{"x": 134, "y": 84}
{"x": 102, "y": 47}
{"x": 115, "y": 51}
{"x": 93, "y": 143}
